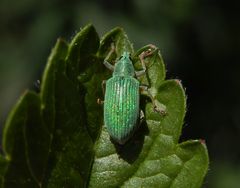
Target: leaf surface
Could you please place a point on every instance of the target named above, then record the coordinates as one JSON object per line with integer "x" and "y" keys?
{"x": 153, "y": 157}
{"x": 56, "y": 138}
{"x": 47, "y": 141}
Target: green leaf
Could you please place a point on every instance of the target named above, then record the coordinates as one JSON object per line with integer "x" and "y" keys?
{"x": 56, "y": 139}
{"x": 47, "y": 141}
{"x": 81, "y": 49}
{"x": 153, "y": 157}
{"x": 195, "y": 157}
{"x": 72, "y": 145}
{"x": 119, "y": 39}
{"x": 19, "y": 172}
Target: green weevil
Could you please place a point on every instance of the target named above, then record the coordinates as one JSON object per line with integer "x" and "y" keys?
{"x": 122, "y": 96}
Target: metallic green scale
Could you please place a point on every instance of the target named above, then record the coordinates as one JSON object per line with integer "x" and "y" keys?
{"x": 121, "y": 104}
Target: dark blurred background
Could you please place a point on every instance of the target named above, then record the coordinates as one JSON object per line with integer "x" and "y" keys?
{"x": 199, "y": 41}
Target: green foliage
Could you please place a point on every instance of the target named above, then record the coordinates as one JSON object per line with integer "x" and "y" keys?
{"x": 56, "y": 138}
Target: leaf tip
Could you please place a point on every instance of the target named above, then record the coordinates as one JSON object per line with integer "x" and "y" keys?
{"x": 202, "y": 141}
{"x": 179, "y": 82}
{"x": 118, "y": 29}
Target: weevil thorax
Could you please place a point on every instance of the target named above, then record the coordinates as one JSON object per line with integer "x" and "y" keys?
{"x": 124, "y": 66}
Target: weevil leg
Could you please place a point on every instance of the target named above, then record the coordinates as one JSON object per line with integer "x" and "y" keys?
{"x": 142, "y": 56}
{"x": 140, "y": 73}
{"x": 157, "y": 106}
{"x": 108, "y": 65}
{"x": 105, "y": 62}
{"x": 104, "y": 87}
{"x": 99, "y": 101}
{"x": 141, "y": 115}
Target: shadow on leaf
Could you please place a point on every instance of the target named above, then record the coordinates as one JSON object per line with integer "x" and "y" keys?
{"x": 131, "y": 150}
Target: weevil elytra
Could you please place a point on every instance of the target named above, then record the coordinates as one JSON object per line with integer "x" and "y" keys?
{"x": 122, "y": 95}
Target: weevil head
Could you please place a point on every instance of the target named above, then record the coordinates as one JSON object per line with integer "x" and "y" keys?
{"x": 124, "y": 66}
